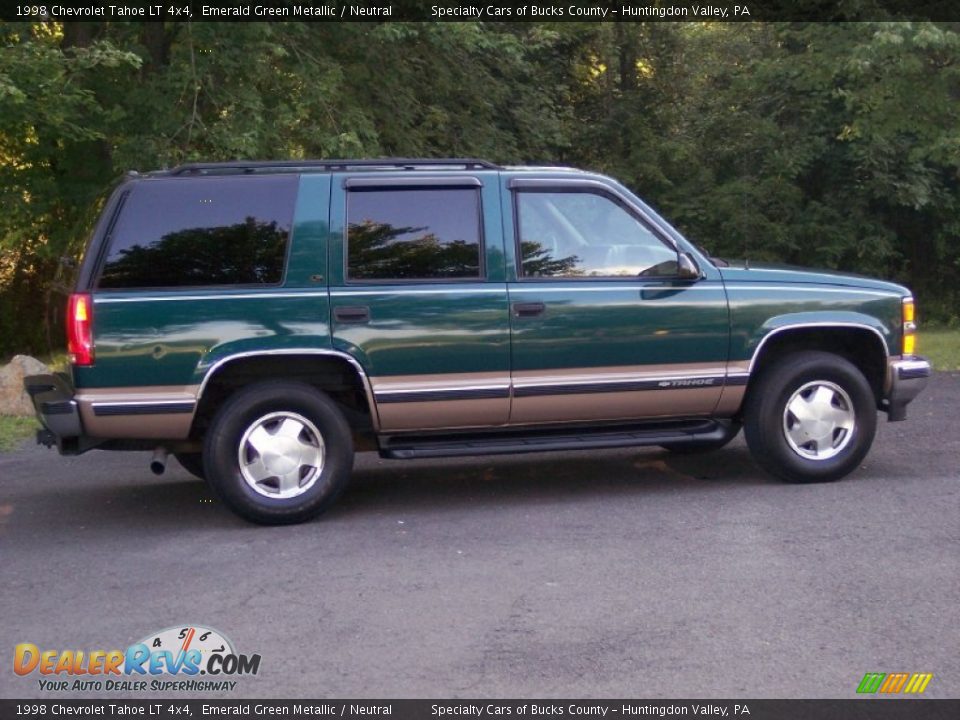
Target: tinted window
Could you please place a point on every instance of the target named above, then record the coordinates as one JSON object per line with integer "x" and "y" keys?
{"x": 585, "y": 234}
{"x": 413, "y": 234}
{"x": 177, "y": 232}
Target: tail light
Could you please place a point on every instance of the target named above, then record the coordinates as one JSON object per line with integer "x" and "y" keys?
{"x": 909, "y": 326}
{"x": 80, "y": 329}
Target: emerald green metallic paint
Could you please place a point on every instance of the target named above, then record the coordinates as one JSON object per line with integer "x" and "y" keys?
{"x": 453, "y": 331}
{"x": 763, "y": 299}
{"x": 425, "y": 327}
{"x": 594, "y": 323}
{"x": 173, "y": 337}
{"x": 767, "y": 273}
{"x": 307, "y": 265}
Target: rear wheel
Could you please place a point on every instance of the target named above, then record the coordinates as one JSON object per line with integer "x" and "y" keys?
{"x": 278, "y": 453}
{"x": 810, "y": 418}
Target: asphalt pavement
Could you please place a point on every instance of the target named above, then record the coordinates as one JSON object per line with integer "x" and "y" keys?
{"x": 626, "y": 573}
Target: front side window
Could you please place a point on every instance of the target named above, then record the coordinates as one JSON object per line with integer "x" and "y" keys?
{"x": 585, "y": 234}
{"x": 413, "y": 234}
{"x": 183, "y": 232}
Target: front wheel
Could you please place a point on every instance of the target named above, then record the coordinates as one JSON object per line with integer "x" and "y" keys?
{"x": 278, "y": 453}
{"x": 810, "y": 418}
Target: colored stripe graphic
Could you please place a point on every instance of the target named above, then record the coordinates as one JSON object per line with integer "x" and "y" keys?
{"x": 871, "y": 682}
{"x": 893, "y": 683}
{"x": 918, "y": 682}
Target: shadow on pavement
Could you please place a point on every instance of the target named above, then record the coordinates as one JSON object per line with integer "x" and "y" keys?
{"x": 123, "y": 493}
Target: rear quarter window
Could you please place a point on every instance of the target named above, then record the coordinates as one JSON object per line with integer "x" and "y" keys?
{"x": 194, "y": 232}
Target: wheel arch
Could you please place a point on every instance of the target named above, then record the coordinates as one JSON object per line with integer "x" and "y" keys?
{"x": 861, "y": 344}
{"x": 330, "y": 370}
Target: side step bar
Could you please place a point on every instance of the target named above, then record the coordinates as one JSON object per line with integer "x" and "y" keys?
{"x": 530, "y": 440}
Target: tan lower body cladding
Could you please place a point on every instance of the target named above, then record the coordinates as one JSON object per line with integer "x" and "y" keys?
{"x": 462, "y": 400}
{"x": 426, "y": 402}
{"x": 149, "y": 412}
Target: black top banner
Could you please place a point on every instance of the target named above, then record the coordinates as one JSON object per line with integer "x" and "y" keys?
{"x": 476, "y": 10}
{"x": 461, "y": 709}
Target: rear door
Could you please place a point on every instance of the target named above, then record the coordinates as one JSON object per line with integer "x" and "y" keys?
{"x": 418, "y": 295}
{"x": 603, "y": 327}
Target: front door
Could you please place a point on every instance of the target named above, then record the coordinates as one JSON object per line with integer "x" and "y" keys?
{"x": 603, "y": 328}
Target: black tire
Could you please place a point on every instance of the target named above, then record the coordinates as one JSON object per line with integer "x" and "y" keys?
{"x": 703, "y": 446}
{"x": 325, "y": 440}
{"x": 797, "y": 379}
{"x": 192, "y": 463}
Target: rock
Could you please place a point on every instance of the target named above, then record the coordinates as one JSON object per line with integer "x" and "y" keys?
{"x": 13, "y": 399}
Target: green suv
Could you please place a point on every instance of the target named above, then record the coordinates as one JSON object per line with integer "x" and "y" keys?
{"x": 261, "y": 320}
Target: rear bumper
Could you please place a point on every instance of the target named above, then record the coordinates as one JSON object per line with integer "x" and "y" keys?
{"x": 906, "y": 377}
{"x": 56, "y": 409}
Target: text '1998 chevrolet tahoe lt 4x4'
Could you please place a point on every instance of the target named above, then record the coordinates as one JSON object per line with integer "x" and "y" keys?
{"x": 261, "y": 320}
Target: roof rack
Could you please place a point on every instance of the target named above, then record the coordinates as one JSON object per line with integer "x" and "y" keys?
{"x": 241, "y": 167}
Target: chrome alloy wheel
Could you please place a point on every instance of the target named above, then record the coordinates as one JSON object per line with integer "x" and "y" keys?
{"x": 281, "y": 455}
{"x": 818, "y": 420}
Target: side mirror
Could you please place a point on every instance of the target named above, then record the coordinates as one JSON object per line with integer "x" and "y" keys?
{"x": 687, "y": 268}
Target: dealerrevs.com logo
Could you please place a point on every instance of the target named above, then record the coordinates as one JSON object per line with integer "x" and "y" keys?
{"x": 172, "y": 659}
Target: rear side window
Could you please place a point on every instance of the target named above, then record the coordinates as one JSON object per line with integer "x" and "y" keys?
{"x": 413, "y": 234}
{"x": 188, "y": 232}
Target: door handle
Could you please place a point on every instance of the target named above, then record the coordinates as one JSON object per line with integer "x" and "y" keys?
{"x": 529, "y": 309}
{"x": 660, "y": 292}
{"x": 352, "y": 314}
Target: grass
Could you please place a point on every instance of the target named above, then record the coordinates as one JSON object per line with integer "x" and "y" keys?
{"x": 942, "y": 346}
{"x": 14, "y": 430}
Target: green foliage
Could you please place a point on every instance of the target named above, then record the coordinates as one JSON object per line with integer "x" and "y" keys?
{"x": 834, "y": 145}
{"x": 831, "y": 145}
{"x": 14, "y": 430}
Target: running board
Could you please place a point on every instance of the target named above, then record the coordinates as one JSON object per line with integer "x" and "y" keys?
{"x": 407, "y": 447}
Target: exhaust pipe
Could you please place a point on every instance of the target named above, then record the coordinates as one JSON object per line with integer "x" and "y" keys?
{"x": 158, "y": 463}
